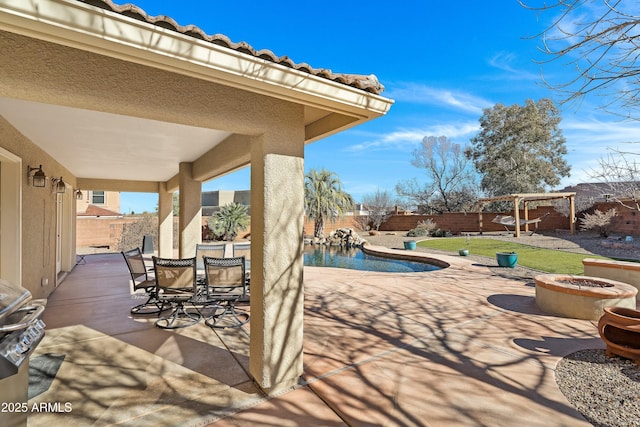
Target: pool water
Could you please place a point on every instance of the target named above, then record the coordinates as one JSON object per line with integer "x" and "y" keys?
{"x": 355, "y": 259}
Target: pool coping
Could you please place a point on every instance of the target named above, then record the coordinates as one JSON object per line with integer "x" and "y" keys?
{"x": 442, "y": 261}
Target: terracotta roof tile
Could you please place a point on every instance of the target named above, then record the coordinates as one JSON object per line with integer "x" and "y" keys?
{"x": 368, "y": 83}
{"x": 93, "y": 210}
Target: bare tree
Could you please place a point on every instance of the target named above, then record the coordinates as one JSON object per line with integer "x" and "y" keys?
{"x": 599, "y": 220}
{"x": 450, "y": 185}
{"x": 134, "y": 232}
{"x": 621, "y": 174}
{"x": 600, "y": 40}
{"x": 379, "y": 205}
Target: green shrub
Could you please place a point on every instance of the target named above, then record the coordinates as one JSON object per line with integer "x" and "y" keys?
{"x": 423, "y": 228}
{"x": 439, "y": 233}
{"x": 224, "y": 225}
{"x": 417, "y": 232}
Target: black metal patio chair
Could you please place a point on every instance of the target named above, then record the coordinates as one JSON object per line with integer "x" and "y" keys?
{"x": 225, "y": 282}
{"x": 141, "y": 280}
{"x": 176, "y": 286}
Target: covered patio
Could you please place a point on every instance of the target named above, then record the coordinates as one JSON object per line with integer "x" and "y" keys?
{"x": 106, "y": 97}
{"x": 459, "y": 346}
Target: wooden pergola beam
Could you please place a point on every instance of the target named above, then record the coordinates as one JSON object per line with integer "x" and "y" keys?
{"x": 527, "y": 198}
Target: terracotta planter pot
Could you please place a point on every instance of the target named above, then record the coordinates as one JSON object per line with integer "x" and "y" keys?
{"x": 619, "y": 328}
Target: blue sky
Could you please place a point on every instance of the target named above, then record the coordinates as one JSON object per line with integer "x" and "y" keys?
{"x": 441, "y": 61}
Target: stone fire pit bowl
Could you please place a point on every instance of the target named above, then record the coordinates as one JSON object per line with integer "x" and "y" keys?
{"x": 581, "y": 297}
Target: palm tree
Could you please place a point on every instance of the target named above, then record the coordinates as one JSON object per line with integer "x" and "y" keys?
{"x": 324, "y": 199}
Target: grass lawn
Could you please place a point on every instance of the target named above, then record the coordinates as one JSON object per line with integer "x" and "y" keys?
{"x": 548, "y": 260}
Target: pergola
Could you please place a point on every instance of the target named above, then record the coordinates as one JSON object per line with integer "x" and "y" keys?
{"x": 527, "y": 198}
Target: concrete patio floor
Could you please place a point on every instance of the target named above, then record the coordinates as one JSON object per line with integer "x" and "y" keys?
{"x": 455, "y": 347}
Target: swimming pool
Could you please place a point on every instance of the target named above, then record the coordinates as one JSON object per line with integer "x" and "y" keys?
{"x": 355, "y": 259}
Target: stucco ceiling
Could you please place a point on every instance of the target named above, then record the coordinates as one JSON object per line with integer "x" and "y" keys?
{"x": 129, "y": 148}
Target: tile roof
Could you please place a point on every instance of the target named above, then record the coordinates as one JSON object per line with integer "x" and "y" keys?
{"x": 368, "y": 83}
{"x": 93, "y": 210}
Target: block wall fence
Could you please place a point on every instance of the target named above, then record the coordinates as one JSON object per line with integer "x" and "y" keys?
{"x": 627, "y": 221}
{"x": 456, "y": 222}
{"x": 100, "y": 232}
{"x": 105, "y": 232}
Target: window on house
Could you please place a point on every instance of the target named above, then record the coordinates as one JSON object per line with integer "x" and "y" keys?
{"x": 98, "y": 198}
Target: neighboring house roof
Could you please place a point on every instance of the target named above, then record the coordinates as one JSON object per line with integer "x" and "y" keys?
{"x": 368, "y": 83}
{"x": 93, "y": 210}
{"x": 601, "y": 191}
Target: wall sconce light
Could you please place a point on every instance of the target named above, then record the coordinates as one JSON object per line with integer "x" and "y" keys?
{"x": 58, "y": 185}
{"x": 78, "y": 194}
{"x": 38, "y": 179}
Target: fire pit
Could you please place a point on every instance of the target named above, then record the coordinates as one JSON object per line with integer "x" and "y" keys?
{"x": 581, "y": 297}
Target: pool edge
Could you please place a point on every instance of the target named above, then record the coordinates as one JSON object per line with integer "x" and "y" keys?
{"x": 384, "y": 252}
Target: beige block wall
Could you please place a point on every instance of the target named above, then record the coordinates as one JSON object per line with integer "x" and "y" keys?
{"x": 100, "y": 232}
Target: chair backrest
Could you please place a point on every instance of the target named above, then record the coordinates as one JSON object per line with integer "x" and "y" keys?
{"x": 213, "y": 250}
{"x": 242, "y": 249}
{"x": 135, "y": 263}
{"x": 175, "y": 273}
{"x": 225, "y": 275}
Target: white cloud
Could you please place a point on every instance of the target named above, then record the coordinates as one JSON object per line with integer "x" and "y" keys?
{"x": 589, "y": 140}
{"x": 447, "y": 98}
{"x": 409, "y": 138}
{"x": 504, "y": 61}
{"x": 599, "y": 134}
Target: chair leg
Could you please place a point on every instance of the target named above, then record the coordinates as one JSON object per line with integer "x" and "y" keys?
{"x": 179, "y": 318}
{"x": 228, "y": 312}
{"x": 148, "y": 307}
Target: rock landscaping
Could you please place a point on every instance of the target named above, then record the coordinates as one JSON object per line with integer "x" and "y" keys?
{"x": 345, "y": 237}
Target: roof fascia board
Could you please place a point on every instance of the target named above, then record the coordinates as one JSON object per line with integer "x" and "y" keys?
{"x": 118, "y": 185}
{"x": 75, "y": 24}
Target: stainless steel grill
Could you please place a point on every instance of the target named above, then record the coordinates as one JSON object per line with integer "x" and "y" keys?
{"x": 21, "y": 327}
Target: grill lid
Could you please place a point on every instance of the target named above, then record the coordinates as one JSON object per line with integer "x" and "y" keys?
{"x": 11, "y": 299}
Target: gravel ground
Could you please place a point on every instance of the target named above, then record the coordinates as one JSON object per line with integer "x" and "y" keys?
{"x": 605, "y": 390}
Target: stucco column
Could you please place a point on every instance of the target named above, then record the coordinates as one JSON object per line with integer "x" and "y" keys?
{"x": 165, "y": 222}
{"x": 277, "y": 296}
{"x": 190, "y": 223}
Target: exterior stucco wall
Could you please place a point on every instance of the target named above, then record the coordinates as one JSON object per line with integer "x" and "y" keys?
{"x": 111, "y": 200}
{"x": 38, "y": 213}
